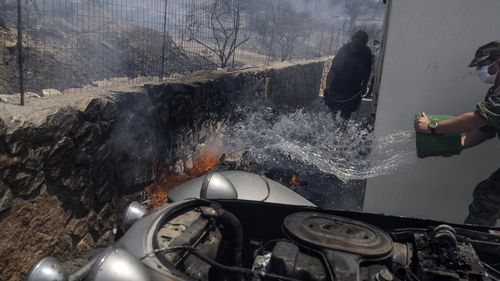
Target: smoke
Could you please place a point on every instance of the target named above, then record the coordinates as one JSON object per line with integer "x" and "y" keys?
{"x": 73, "y": 43}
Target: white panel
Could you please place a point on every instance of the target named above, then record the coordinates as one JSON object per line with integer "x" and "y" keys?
{"x": 429, "y": 45}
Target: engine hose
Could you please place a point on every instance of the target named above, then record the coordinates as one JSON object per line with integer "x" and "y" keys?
{"x": 213, "y": 263}
{"x": 233, "y": 225}
{"x": 240, "y": 270}
{"x": 492, "y": 270}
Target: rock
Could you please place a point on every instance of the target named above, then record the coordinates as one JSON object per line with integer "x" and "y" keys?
{"x": 50, "y": 92}
{"x": 91, "y": 220}
{"x": 164, "y": 114}
{"x": 35, "y": 159}
{"x": 85, "y": 133}
{"x": 5, "y": 197}
{"x": 103, "y": 192}
{"x": 182, "y": 88}
{"x": 21, "y": 181}
{"x": 106, "y": 239}
{"x": 6, "y": 162}
{"x": 97, "y": 109}
{"x": 65, "y": 122}
{"x": 31, "y": 185}
{"x": 188, "y": 164}
{"x": 32, "y": 95}
{"x": 179, "y": 168}
{"x": 20, "y": 139}
{"x": 78, "y": 180}
{"x": 77, "y": 227}
{"x": 107, "y": 218}
{"x": 3, "y": 128}
{"x": 14, "y": 98}
{"x": 61, "y": 152}
{"x": 86, "y": 244}
{"x": 82, "y": 105}
{"x": 19, "y": 120}
{"x": 87, "y": 199}
{"x": 60, "y": 158}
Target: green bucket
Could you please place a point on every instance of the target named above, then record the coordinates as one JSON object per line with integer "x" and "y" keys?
{"x": 438, "y": 144}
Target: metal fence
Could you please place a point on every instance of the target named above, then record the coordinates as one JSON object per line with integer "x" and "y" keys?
{"x": 82, "y": 43}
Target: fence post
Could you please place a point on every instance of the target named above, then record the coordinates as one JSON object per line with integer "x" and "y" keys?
{"x": 308, "y": 54}
{"x": 20, "y": 50}
{"x": 321, "y": 38}
{"x": 330, "y": 45}
{"x": 164, "y": 37}
{"x": 276, "y": 15}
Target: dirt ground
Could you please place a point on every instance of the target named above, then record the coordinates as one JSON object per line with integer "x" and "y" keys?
{"x": 37, "y": 108}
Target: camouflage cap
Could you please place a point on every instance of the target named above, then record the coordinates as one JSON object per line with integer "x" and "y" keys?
{"x": 488, "y": 51}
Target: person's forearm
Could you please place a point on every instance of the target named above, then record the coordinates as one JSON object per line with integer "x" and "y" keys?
{"x": 463, "y": 123}
{"x": 474, "y": 138}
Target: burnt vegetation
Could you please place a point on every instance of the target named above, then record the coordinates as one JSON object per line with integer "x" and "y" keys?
{"x": 222, "y": 20}
{"x": 76, "y": 43}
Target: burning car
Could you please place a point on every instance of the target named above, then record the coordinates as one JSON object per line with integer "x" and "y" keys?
{"x": 247, "y": 227}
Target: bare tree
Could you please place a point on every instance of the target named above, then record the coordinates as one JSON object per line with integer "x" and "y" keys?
{"x": 291, "y": 27}
{"x": 218, "y": 30}
{"x": 373, "y": 30}
{"x": 356, "y": 8}
{"x": 262, "y": 22}
{"x": 278, "y": 27}
{"x": 353, "y": 9}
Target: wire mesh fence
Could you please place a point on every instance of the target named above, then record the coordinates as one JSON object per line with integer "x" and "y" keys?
{"x": 84, "y": 43}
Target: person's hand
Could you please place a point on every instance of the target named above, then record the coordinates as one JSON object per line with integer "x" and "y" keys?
{"x": 421, "y": 124}
{"x": 364, "y": 91}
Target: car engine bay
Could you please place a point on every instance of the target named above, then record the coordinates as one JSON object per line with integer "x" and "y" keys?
{"x": 209, "y": 242}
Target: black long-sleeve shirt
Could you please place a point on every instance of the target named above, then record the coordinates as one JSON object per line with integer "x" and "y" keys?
{"x": 350, "y": 70}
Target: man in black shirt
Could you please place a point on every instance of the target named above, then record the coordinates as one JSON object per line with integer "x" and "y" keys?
{"x": 348, "y": 77}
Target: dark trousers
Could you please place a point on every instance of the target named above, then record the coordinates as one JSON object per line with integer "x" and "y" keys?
{"x": 345, "y": 108}
{"x": 485, "y": 206}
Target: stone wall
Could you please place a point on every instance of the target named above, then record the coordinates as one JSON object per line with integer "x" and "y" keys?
{"x": 66, "y": 176}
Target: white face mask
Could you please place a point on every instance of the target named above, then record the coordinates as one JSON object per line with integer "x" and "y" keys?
{"x": 482, "y": 73}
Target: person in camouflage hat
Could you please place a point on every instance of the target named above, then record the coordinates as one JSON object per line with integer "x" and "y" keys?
{"x": 476, "y": 127}
{"x": 486, "y": 53}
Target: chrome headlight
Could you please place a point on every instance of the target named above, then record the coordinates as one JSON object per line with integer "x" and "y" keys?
{"x": 133, "y": 212}
{"x": 47, "y": 269}
{"x": 118, "y": 264}
{"x": 217, "y": 186}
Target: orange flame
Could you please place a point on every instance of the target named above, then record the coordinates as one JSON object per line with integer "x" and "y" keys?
{"x": 204, "y": 160}
{"x": 158, "y": 195}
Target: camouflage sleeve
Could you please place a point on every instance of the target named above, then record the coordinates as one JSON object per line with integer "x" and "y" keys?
{"x": 490, "y": 108}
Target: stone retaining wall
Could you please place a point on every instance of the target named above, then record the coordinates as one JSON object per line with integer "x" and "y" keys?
{"x": 65, "y": 180}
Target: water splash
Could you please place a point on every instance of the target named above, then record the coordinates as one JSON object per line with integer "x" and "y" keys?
{"x": 319, "y": 141}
